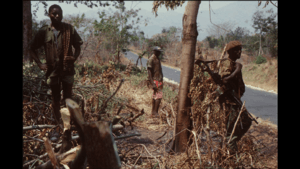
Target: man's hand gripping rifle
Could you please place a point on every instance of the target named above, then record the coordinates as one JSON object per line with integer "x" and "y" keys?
{"x": 216, "y": 77}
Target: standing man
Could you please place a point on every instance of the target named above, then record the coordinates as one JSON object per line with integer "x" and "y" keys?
{"x": 58, "y": 39}
{"x": 231, "y": 74}
{"x": 155, "y": 76}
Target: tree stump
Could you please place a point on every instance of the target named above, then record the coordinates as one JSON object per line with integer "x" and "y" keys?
{"x": 98, "y": 142}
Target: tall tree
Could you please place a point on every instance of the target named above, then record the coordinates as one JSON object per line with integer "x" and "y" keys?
{"x": 116, "y": 28}
{"x": 27, "y": 28}
{"x": 187, "y": 59}
{"x": 263, "y": 24}
{"x": 187, "y": 67}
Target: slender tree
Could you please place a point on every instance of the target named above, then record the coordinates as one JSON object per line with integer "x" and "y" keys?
{"x": 187, "y": 67}
{"x": 27, "y": 28}
{"x": 189, "y": 40}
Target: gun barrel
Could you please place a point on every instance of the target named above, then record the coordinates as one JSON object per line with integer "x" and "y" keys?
{"x": 239, "y": 102}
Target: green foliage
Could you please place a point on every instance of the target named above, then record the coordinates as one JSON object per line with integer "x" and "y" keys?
{"x": 116, "y": 29}
{"x": 260, "y": 60}
{"x": 267, "y": 26}
{"x": 168, "y": 4}
{"x": 32, "y": 81}
{"x": 168, "y": 94}
{"x": 212, "y": 41}
{"x": 137, "y": 77}
{"x": 90, "y": 67}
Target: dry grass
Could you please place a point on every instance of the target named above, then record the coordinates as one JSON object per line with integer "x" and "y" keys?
{"x": 263, "y": 76}
{"x": 264, "y": 154}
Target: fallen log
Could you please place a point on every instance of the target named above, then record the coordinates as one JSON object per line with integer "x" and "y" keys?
{"x": 117, "y": 127}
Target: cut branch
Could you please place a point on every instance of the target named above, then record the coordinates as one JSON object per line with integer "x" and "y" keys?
{"x": 104, "y": 105}
{"x": 38, "y": 127}
{"x": 98, "y": 144}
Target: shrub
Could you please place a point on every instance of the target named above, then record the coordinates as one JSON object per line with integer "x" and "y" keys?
{"x": 168, "y": 94}
{"x": 260, "y": 60}
{"x": 91, "y": 67}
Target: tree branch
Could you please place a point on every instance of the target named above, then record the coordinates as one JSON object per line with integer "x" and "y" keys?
{"x": 38, "y": 127}
{"x": 104, "y": 105}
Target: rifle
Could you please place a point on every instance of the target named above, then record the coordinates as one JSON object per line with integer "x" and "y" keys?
{"x": 217, "y": 78}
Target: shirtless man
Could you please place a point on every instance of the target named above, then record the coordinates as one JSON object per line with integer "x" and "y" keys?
{"x": 155, "y": 76}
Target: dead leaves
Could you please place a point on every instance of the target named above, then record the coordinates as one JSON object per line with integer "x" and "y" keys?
{"x": 168, "y": 4}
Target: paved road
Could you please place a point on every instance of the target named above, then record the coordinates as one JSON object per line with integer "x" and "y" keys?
{"x": 262, "y": 104}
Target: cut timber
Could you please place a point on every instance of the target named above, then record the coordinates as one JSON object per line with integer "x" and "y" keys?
{"x": 98, "y": 142}
{"x": 116, "y": 119}
{"x": 117, "y": 127}
{"x": 63, "y": 159}
{"x": 50, "y": 152}
{"x": 101, "y": 149}
{"x": 65, "y": 116}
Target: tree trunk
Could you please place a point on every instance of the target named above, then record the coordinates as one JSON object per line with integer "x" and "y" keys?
{"x": 260, "y": 51}
{"x": 27, "y": 28}
{"x": 187, "y": 67}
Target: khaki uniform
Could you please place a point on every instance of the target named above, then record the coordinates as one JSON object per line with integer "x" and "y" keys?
{"x": 236, "y": 87}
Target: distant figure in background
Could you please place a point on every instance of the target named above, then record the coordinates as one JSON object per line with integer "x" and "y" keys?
{"x": 155, "y": 76}
{"x": 199, "y": 53}
{"x": 206, "y": 54}
{"x": 58, "y": 39}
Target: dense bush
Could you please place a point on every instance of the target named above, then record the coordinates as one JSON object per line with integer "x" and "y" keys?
{"x": 260, "y": 60}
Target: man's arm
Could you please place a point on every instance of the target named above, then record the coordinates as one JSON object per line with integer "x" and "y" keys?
{"x": 149, "y": 68}
{"x": 36, "y": 43}
{"x": 234, "y": 73}
{"x": 151, "y": 78}
{"x": 35, "y": 57}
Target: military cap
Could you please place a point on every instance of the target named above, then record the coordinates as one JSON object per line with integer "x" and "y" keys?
{"x": 233, "y": 44}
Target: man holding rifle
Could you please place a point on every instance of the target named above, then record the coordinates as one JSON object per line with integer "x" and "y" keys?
{"x": 229, "y": 78}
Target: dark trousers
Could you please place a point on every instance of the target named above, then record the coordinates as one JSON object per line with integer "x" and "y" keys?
{"x": 56, "y": 97}
{"x": 241, "y": 128}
